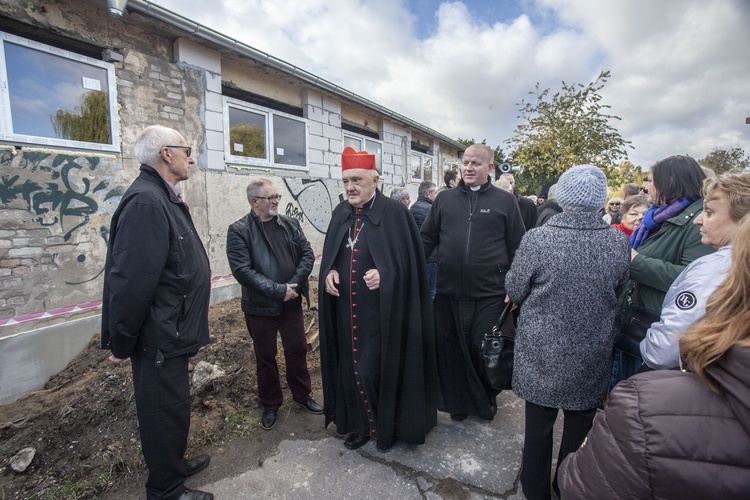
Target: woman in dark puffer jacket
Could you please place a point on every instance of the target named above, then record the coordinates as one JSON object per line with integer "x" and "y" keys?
{"x": 674, "y": 434}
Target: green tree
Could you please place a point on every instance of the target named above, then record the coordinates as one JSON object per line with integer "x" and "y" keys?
{"x": 568, "y": 128}
{"x": 723, "y": 161}
{"x": 251, "y": 137}
{"x": 622, "y": 173}
{"x": 89, "y": 122}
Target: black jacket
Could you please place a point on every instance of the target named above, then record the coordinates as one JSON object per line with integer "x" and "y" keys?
{"x": 256, "y": 268}
{"x": 419, "y": 210}
{"x": 546, "y": 211}
{"x": 157, "y": 279}
{"x": 528, "y": 211}
{"x": 477, "y": 240}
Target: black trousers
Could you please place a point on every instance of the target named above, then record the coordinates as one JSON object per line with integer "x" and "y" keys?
{"x": 460, "y": 326}
{"x": 536, "y": 464}
{"x": 162, "y": 400}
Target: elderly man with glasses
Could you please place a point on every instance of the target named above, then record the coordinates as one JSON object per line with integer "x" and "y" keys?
{"x": 272, "y": 260}
{"x": 157, "y": 284}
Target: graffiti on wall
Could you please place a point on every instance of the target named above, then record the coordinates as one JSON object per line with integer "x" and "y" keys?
{"x": 57, "y": 208}
{"x": 313, "y": 201}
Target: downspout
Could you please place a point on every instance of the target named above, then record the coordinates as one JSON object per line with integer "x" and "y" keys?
{"x": 116, "y": 7}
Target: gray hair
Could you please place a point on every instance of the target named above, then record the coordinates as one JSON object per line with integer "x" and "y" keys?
{"x": 504, "y": 184}
{"x": 399, "y": 194}
{"x": 425, "y": 188}
{"x": 552, "y": 193}
{"x": 151, "y": 140}
{"x": 255, "y": 187}
{"x": 630, "y": 189}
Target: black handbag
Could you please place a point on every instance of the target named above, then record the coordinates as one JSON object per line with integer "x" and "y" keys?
{"x": 497, "y": 354}
{"x": 637, "y": 321}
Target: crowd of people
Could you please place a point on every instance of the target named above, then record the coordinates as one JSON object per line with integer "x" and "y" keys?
{"x": 407, "y": 293}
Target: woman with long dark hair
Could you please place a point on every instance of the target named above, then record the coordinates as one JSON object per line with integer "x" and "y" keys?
{"x": 663, "y": 245}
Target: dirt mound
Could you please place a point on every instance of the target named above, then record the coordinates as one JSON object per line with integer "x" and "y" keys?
{"x": 83, "y": 423}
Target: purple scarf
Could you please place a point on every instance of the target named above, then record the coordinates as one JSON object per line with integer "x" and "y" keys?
{"x": 655, "y": 217}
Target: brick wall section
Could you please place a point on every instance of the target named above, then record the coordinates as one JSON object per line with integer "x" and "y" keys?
{"x": 394, "y": 140}
{"x": 324, "y": 135}
{"x": 193, "y": 54}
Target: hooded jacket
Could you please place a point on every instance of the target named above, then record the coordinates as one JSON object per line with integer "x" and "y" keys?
{"x": 665, "y": 435}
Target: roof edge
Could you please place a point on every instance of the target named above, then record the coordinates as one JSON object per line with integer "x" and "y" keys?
{"x": 198, "y": 30}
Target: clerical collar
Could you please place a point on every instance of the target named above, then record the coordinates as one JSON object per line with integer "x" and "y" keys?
{"x": 371, "y": 201}
{"x": 475, "y": 188}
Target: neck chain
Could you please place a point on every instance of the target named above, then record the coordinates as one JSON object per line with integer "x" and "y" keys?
{"x": 351, "y": 241}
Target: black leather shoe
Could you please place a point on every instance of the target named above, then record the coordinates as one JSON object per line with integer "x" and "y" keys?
{"x": 196, "y": 495}
{"x": 355, "y": 441}
{"x": 381, "y": 446}
{"x": 458, "y": 417}
{"x": 197, "y": 464}
{"x": 311, "y": 406}
{"x": 268, "y": 420}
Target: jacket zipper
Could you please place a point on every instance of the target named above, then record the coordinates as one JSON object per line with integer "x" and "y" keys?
{"x": 466, "y": 251}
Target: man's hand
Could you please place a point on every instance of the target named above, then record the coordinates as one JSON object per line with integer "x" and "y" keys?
{"x": 372, "y": 279}
{"x": 332, "y": 282}
{"x": 114, "y": 359}
{"x": 291, "y": 293}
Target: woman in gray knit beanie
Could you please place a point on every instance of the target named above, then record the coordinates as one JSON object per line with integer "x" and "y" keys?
{"x": 582, "y": 189}
{"x": 566, "y": 276}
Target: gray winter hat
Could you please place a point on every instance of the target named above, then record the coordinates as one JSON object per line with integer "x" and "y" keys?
{"x": 582, "y": 189}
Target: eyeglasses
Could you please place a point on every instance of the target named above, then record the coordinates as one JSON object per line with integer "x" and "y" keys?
{"x": 187, "y": 149}
{"x": 269, "y": 198}
{"x": 614, "y": 204}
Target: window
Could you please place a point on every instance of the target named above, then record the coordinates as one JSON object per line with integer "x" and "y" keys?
{"x": 361, "y": 143}
{"x": 421, "y": 167}
{"x": 55, "y": 97}
{"x": 263, "y": 137}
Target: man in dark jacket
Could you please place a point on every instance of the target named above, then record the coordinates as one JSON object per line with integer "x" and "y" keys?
{"x": 377, "y": 344}
{"x": 427, "y": 192}
{"x": 271, "y": 258}
{"x": 157, "y": 284}
{"x": 525, "y": 205}
{"x": 550, "y": 207}
{"x": 478, "y": 229}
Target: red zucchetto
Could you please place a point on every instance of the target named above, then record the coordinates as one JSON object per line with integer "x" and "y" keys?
{"x": 351, "y": 159}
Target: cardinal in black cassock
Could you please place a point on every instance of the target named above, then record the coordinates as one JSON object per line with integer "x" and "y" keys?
{"x": 378, "y": 351}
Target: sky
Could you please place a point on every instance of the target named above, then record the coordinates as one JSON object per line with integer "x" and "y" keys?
{"x": 680, "y": 69}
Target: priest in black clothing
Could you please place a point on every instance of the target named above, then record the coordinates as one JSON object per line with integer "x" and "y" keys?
{"x": 377, "y": 341}
{"x": 477, "y": 229}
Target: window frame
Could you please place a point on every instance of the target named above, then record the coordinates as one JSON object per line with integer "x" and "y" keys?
{"x": 268, "y": 114}
{"x": 422, "y": 157}
{"x": 360, "y": 137}
{"x": 6, "y": 119}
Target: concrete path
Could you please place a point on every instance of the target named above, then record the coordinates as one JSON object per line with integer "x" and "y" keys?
{"x": 467, "y": 460}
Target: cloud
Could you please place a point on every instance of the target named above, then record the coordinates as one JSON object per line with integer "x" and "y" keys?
{"x": 680, "y": 79}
